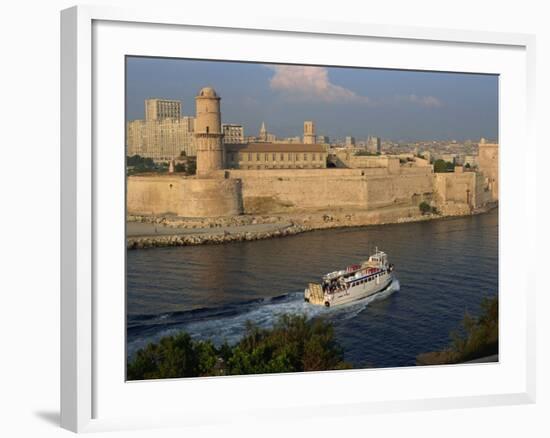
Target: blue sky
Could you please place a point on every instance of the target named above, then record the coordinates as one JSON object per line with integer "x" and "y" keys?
{"x": 393, "y": 104}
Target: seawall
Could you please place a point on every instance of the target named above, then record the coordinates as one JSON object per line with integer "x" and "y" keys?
{"x": 231, "y": 192}
{"x": 290, "y": 225}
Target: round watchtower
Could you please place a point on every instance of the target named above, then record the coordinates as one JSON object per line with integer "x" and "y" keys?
{"x": 208, "y": 132}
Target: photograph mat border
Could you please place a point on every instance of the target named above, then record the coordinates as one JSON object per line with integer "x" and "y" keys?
{"x": 77, "y": 225}
{"x": 110, "y": 122}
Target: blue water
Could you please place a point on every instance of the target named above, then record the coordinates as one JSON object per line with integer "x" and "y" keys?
{"x": 444, "y": 268}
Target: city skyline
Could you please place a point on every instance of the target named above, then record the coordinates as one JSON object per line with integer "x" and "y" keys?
{"x": 392, "y": 104}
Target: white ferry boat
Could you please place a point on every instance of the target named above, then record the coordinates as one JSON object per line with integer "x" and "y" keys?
{"x": 353, "y": 283}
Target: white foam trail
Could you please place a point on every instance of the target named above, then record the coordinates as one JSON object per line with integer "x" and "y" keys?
{"x": 230, "y": 329}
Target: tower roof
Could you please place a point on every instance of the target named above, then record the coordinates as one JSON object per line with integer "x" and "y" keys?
{"x": 208, "y": 92}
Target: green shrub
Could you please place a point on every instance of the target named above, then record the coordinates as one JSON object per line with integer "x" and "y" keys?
{"x": 477, "y": 337}
{"x": 293, "y": 344}
{"x": 425, "y": 207}
{"x": 442, "y": 166}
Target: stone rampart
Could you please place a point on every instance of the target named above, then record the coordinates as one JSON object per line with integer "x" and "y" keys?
{"x": 188, "y": 197}
{"x": 234, "y": 192}
{"x": 153, "y": 195}
{"x": 210, "y": 197}
{"x": 457, "y": 192}
{"x": 277, "y": 193}
{"x": 408, "y": 189}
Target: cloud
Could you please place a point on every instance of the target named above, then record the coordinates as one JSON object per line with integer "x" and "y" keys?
{"x": 425, "y": 101}
{"x": 310, "y": 84}
{"x": 306, "y": 83}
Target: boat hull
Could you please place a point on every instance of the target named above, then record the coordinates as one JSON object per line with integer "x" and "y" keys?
{"x": 360, "y": 291}
{"x": 357, "y": 291}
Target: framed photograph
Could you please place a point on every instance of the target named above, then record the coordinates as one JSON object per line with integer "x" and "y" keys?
{"x": 281, "y": 218}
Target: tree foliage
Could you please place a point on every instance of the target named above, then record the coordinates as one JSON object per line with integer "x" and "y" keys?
{"x": 139, "y": 161}
{"x": 189, "y": 166}
{"x": 441, "y": 166}
{"x": 477, "y": 337}
{"x": 424, "y": 207}
{"x": 293, "y": 344}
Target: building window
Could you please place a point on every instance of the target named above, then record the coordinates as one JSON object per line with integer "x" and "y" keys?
{"x": 274, "y": 157}
{"x": 314, "y": 157}
{"x": 305, "y": 157}
{"x": 257, "y": 157}
{"x": 282, "y": 157}
{"x": 249, "y": 157}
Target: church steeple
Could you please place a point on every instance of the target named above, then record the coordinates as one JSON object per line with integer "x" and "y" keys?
{"x": 263, "y": 132}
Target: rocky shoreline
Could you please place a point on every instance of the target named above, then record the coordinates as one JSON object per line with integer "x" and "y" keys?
{"x": 207, "y": 238}
{"x": 291, "y": 225}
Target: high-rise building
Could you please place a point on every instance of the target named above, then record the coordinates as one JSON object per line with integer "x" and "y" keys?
{"x": 162, "y": 139}
{"x": 309, "y": 132}
{"x": 208, "y": 132}
{"x": 233, "y": 133}
{"x": 160, "y": 109}
{"x": 374, "y": 144}
{"x": 350, "y": 141}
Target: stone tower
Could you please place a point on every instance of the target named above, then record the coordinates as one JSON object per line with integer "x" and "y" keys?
{"x": 309, "y": 132}
{"x": 208, "y": 133}
{"x": 487, "y": 162}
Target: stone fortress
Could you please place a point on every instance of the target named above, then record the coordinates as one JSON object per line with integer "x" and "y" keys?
{"x": 264, "y": 178}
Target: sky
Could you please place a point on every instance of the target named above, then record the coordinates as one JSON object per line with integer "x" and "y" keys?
{"x": 392, "y": 104}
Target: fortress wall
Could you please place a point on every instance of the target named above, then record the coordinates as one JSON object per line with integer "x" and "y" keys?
{"x": 270, "y": 191}
{"x": 390, "y": 164}
{"x": 210, "y": 197}
{"x": 458, "y": 192}
{"x": 488, "y": 164}
{"x": 152, "y": 195}
{"x": 416, "y": 170}
{"x": 188, "y": 197}
{"x": 299, "y": 173}
{"x": 454, "y": 187}
{"x": 399, "y": 190}
{"x": 482, "y": 190}
{"x": 279, "y": 193}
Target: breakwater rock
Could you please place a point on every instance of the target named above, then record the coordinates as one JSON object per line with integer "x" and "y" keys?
{"x": 211, "y": 238}
{"x": 246, "y": 228}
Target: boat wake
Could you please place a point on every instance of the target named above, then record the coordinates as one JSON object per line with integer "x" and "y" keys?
{"x": 227, "y": 324}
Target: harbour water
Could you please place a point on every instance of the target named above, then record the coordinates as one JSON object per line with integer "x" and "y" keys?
{"x": 444, "y": 268}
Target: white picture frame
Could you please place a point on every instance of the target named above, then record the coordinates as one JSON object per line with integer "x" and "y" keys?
{"x": 89, "y": 399}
